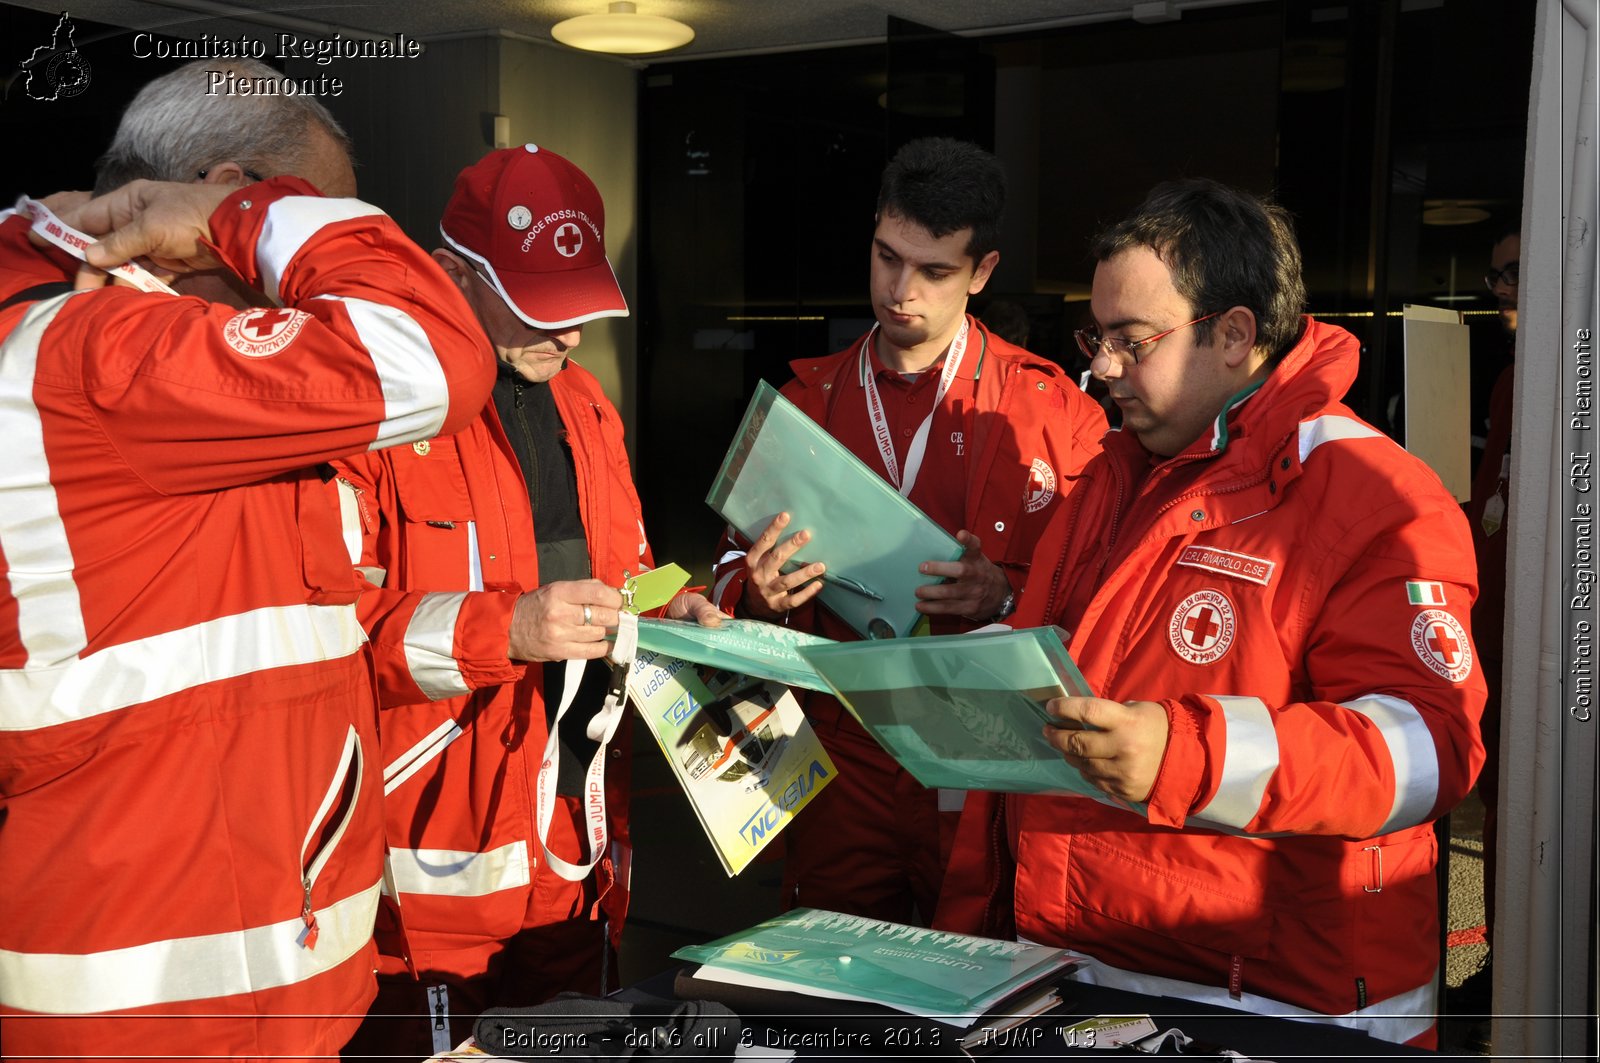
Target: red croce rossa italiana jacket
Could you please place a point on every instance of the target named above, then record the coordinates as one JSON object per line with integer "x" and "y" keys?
{"x": 450, "y": 545}
{"x": 1295, "y": 590}
{"x": 190, "y": 831}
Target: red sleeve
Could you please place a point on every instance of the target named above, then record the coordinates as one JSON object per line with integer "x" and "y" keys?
{"x": 1386, "y": 736}
{"x": 426, "y": 645}
{"x": 372, "y": 346}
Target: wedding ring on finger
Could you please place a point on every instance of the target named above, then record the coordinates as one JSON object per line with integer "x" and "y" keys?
{"x": 587, "y": 616}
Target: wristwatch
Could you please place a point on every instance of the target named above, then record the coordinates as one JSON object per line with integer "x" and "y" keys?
{"x": 1007, "y": 607}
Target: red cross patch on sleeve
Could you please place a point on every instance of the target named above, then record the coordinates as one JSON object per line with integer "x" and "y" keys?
{"x": 264, "y": 331}
{"x": 1442, "y": 644}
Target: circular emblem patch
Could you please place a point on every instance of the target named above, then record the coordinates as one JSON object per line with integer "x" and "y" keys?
{"x": 569, "y": 240}
{"x": 1441, "y": 642}
{"x": 1041, "y": 485}
{"x": 519, "y": 217}
{"x": 1202, "y": 627}
{"x": 263, "y": 332}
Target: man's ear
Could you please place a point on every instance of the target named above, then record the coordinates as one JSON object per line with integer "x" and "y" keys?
{"x": 455, "y": 266}
{"x": 1235, "y": 333}
{"x": 980, "y": 276}
{"x": 223, "y": 173}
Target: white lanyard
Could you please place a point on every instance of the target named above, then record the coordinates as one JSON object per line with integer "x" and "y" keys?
{"x": 76, "y": 244}
{"x": 601, "y": 728}
{"x": 880, "y": 423}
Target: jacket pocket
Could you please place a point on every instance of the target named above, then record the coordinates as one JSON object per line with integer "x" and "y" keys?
{"x": 439, "y": 541}
{"x": 325, "y": 547}
{"x": 430, "y": 484}
{"x": 1193, "y": 903}
{"x": 327, "y": 828}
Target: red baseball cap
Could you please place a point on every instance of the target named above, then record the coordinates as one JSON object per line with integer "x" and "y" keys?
{"x": 534, "y": 226}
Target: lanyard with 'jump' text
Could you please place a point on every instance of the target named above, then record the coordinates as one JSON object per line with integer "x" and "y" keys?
{"x": 880, "y": 423}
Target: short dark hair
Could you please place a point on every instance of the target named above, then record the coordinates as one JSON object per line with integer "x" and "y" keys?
{"x": 1225, "y": 248}
{"x": 947, "y": 185}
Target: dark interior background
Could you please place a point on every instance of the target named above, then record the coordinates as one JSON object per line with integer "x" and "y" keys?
{"x": 1360, "y": 118}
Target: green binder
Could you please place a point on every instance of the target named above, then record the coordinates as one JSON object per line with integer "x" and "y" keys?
{"x": 952, "y": 978}
{"x": 871, "y": 539}
{"x": 962, "y": 712}
{"x": 746, "y": 647}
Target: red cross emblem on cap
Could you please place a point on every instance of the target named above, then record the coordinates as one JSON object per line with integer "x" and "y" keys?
{"x": 569, "y": 240}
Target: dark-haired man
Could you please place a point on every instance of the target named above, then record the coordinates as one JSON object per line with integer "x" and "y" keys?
{"x": 984, "y": 437}
{"x": 1272, "y": 600}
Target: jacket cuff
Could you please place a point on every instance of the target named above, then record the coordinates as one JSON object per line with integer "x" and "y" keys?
{"x": 237, "y": 222}
{"x": 1178, "y": 782}
{"x": 483, "y": 636}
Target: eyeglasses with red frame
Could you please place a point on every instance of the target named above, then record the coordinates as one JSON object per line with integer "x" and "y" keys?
{"x": 1091, "y": 342}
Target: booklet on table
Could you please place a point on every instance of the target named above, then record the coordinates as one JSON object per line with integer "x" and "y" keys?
{"x": 953, "y": 979}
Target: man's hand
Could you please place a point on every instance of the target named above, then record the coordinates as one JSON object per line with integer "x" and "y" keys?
{"x": 975, "y": 587}
{"x": 768, "y": 592}
{"x": 550, "y": 623}
{"x": 1123, "y": 753}
{"x": 164, "y": 222}
{"x": 59, "y": 203}
{"x": 696, "y": 607}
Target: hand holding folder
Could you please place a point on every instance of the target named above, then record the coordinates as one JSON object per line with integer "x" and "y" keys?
{"x": 869, "y": 540}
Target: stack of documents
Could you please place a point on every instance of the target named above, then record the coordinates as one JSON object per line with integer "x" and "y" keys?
{"x": 952, "y": 979}
{"x": 871, "y": 539}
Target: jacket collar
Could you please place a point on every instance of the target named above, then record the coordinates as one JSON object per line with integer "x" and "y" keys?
{"x": 1316, "y": 372}
{"x": 806, "y": 370}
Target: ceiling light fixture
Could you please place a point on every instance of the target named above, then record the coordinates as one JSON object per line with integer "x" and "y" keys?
{"x": 622, "y": 31}
{"x": 1453, "y": 212}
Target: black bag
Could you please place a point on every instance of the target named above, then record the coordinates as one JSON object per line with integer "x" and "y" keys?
{"x": 576, "y": 1026}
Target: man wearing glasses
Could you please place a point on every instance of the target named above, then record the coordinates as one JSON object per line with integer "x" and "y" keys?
{"x": 1272, "y": 599}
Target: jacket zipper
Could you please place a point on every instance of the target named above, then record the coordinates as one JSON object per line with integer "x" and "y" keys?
{"x": 347, "y": 777}
{"x": 997, "y": 827}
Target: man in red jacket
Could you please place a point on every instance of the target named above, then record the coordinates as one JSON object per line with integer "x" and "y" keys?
{"x": 488, "y": 906}
{"x": 190, "y": 824}
{"x": 1272, "y": 600}
{"x": 981, "y": 435}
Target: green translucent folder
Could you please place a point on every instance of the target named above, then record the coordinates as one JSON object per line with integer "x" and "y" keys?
{"x": 953, "y": 978}
{"x": 745, "y": 647}
{"x": 871, "y": 539}
{"x": 963, "y": 712}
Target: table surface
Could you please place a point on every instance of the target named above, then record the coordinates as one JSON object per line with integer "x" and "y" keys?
{"x": 894, "y": 1035}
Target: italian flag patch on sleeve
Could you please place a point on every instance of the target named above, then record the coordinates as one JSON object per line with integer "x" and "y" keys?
{"x": 1421, "y": 593}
